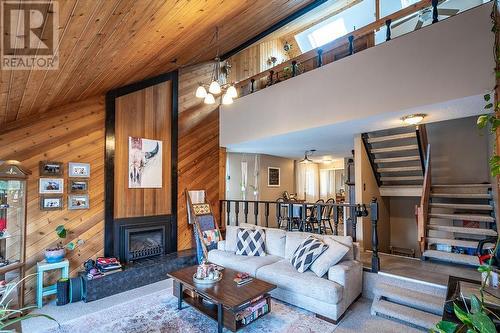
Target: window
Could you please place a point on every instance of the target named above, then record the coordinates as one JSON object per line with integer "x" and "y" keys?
{"x": 327, "y": 33}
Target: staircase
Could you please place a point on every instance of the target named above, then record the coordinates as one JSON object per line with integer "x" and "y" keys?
{"x": 458, "y": 217}
{"x": 411, "y": 303}
{"x": 397, "y": 159}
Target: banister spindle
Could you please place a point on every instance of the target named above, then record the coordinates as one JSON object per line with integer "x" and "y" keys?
{"x": 351, "y": 44}
{"x": 266, "y": 213}
{"x": 336, "y": 220}
{"x": 271, "y": 78}
{"x": 236, "y": 210}
{"x": 256, "y": 211}
{"x": 252, "y": 85}
{"x": 435, "y": 12}
{"x": 388, "y": 31}
{"x": 246, "y": 211}
{"x": 294, "y": 68}
{"x": 278, "y": 214}
{"x": 320, "y": 57}
{"x": 228, "y": 210}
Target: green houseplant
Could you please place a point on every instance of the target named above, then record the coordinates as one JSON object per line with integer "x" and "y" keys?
{"x": 56, "y": 254}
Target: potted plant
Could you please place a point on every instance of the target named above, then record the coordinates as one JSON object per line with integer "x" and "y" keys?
{"x": 57, "y": 253}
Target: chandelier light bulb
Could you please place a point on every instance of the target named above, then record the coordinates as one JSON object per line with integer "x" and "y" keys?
{"x": 209, "y": 99}
{"x": 232, "y": 92}
{"x": 214, "y": 88}
{"x": 226, "y": 99}
{"x": 201, "y": 92}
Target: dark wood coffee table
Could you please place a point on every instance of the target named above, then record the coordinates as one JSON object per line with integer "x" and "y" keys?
{"x": 221, "y": 301}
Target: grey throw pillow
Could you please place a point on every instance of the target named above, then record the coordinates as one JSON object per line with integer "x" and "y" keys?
{"x": 307, "y": 252}
{"x": 251, "y": 242}
{"x": 336, "y": 252}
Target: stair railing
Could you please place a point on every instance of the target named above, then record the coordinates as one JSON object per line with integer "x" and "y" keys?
{"x": 422, "y": 144}
{"x": 423, "y": 209}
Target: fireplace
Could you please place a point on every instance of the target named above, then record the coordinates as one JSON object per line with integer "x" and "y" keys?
{"x": 139, "y": 238}
{"x": 144, "y": 242}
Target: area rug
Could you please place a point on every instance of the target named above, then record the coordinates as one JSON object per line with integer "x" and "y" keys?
{"x": 157, "y": 313}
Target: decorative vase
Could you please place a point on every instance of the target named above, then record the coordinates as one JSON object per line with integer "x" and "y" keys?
{"x": 54, "y": 255}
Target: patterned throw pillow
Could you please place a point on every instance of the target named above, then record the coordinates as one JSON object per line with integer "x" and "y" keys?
{"x": 251, "y": 242}
{"x": 201, "y": 209}
{"x": 211, "y": 238}
{"x": 305, "y": 254}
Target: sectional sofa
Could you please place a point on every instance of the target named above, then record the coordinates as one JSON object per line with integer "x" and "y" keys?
{"x": 328, "y": 296}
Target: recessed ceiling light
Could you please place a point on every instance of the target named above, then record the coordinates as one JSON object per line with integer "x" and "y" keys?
{"x": 413, "y": 119}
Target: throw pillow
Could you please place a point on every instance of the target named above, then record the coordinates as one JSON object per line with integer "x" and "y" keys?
{"x": 335, "y": 252}
{"x": 251, "y": 242}
{"x": 310, "y": 249}
{"x": 211, "y": 236}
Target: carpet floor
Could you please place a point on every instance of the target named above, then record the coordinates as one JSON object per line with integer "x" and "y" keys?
{"x": 157, "y": 313}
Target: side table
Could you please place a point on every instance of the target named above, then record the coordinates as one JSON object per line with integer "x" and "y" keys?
{"x": 42, "y": 267}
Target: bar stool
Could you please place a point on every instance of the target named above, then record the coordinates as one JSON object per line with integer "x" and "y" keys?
{"x": 42, "y": 267}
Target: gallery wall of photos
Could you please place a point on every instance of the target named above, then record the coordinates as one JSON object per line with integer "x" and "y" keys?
{"x": 52, "y": 185}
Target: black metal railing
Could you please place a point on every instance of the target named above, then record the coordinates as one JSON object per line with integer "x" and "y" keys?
{"x": 314, "y": 217}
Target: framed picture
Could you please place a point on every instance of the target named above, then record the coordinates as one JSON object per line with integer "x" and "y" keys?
{"x": 79, "y": 170}
{"x": 51, "y": 202}
{"x": 273, "y": 177}
{"x": 78, "y": 186}
{"x": 51, "y": 186}
{"x": 51, "y": 169}
{"x": 144, "y": 163}
{"x": 78, "y": 201}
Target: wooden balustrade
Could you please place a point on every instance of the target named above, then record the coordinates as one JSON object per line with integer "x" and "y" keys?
{"x": 302, "y": 222}
{"x": 354, "y": 42}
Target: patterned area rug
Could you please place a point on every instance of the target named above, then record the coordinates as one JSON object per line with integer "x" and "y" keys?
{"x": 157, "y": 313}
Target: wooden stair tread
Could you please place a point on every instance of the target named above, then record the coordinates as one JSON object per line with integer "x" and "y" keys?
{"x": 392, "y": 137}
{"x": 460, "y": 206}
{"x": 452, "y": 257}
{"x": 397, "y": 178}
{"x": 468, "y": 217}
{"x": 462, "y": 230}
{"x": 462, "y": 195}
{"x": 461, "y": 185}
{"x": 392, "y": 149}
{"x": 400, "y": 169}
{"x": 453, "y": 242}
{"x": 397, "y": 159}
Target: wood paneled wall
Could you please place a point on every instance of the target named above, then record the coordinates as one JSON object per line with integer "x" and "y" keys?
{"x": 144, "y": 114}
{"x": 73, "y": 133}
{"x": 199, "y": 165}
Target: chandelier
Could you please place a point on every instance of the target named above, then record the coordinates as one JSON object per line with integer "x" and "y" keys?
{"x": 218, "y": 86}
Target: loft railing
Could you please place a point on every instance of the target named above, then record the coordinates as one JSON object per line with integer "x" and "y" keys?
{"x": 258, "y": 212}
{"x": 358, "y": 40}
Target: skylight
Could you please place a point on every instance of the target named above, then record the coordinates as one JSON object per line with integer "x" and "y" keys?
{"x": 327, "y": 33}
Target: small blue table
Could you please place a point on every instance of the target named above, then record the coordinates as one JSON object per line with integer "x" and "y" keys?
{"x": 42, "y": 267}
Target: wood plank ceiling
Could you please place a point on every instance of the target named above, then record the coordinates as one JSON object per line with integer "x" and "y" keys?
{"x": 104, "y": 44}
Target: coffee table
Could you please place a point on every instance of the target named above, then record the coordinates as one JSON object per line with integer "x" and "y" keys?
{"x": 223, "y": 300}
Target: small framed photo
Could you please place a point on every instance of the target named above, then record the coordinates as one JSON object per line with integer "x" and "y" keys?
{"x": 79, "y": 170}
{"x": 78, "y": 186}
{"x": 273, "y": 177}
{"x": 51, "y": 169}
{"x": 51, "y": 186}
{"x": 78, "y": 201}
{"x": 51, "y": 202}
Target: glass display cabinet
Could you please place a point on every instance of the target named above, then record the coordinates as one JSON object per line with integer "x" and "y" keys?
{"x": 13, "y": 203}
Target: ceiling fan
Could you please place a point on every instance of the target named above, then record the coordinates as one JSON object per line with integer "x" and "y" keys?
{"x": 425, "y": 15}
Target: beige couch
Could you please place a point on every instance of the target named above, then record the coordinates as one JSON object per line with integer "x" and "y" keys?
{"x": 328, "y": 296}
